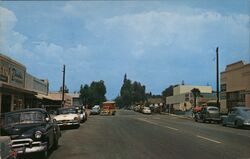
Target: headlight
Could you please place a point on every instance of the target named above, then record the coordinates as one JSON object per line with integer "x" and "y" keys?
{"x": 38, "y": 134}
{"x": 75, "y": 118}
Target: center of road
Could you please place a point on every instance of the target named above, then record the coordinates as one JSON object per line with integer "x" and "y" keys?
{"x": 158, "y": 124}
{"x": 218, "y": 142}
{"x": 172, "y": 128}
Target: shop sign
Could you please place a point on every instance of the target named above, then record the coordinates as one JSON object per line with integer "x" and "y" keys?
{"x": 17, "y": 76}
{"x": 4, "y": 71}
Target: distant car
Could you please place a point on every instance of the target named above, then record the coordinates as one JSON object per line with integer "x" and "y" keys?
{"x": 209, "y": 113}
{"x": 238, "y": 117}
{"x": 31, "y": 131}
{"x": 68, "y": 117}
{"x": 146, "y": 110}
{"x": 95, "y": 110}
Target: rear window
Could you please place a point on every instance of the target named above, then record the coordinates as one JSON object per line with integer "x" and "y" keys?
{"x": 213, "y": 109}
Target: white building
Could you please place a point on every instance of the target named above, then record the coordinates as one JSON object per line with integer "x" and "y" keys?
{"x": 182, "y": 98}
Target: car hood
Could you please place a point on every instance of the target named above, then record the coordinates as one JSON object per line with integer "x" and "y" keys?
{"x": 66, "y": 117}
{"x": 22, "y": 130}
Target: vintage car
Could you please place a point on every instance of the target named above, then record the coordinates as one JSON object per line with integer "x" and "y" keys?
{"x": 31, "y": 130}
{"x": 208, "y": 113}
{"x": 238, "y": 117}
{"x": 82, "y": 113}
{"x": 95, "y": 110}
{"x": 68, "y": 117}
{"x": 5, "y": 148}
{"x": 146, "y": 110}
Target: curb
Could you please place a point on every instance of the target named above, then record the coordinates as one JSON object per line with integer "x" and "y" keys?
{"x": 179, "y": 116}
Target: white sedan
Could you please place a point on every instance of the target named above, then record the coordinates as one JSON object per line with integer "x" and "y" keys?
{"x": 146, "y": 110}
{"x": 68, "y": 117}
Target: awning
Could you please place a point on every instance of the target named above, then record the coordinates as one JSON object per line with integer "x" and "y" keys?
{"x": 42, "y": 96}
{"x": 9, "y": 88}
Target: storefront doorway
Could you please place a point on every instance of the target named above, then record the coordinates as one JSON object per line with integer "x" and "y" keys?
{"x": 6, "y": 103}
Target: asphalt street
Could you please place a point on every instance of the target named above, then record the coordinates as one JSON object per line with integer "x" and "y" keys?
{"x": 131, "y": 135}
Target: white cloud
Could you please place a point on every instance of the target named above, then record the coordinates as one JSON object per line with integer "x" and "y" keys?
{"x": 11, "y": 42}
{"x": 187, "y": 31}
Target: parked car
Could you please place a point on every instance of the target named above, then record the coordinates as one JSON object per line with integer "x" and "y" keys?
{"x": 5, "y": 148}
{"x": 209, "y": 113}
{"x": 82, "y": 113}
{"x": 68, "y": 117}
{"x": 31, "y": 130}
{"x": 146, "y": 110}
{"x": 238, "y": 117}
{"x": 95, "y": 110}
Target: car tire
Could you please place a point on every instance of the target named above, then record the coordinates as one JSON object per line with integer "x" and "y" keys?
{"x": 237, "y": 124}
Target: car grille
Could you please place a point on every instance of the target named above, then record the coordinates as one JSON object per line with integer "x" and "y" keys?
{"x": 24, "y": 143}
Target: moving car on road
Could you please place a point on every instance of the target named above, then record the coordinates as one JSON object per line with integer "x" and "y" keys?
{"x": 108, "y": 108}
{"x": 95, "y": 110}
{"x": 31, "y": 130}
{"x": 238, "y": 117}
{"x": 208, "y": 113}
{"x": 146, "y": 110}
{"x": 68, "y": 117}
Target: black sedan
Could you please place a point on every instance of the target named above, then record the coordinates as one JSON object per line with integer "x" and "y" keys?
{"x": 31, "y": 130}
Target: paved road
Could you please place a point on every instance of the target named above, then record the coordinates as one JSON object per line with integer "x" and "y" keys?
{"x": 130, "y": 135}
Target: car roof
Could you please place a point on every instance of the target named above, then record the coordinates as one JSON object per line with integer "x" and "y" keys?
{"x": 28, "y": 109}
{"x": 241, "y": 107}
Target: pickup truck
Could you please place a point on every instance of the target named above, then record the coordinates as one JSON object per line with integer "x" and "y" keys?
{"x": 209, "y": 113}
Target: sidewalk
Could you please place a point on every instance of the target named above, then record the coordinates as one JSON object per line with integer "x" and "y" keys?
{"x": 187, "y": 115}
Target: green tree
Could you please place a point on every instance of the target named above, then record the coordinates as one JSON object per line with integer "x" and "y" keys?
{"x": 196, "y": 93}
{"x": 66, "y": 90}
{"x": 130, "y": 93}
{"x": 84, "y": 94}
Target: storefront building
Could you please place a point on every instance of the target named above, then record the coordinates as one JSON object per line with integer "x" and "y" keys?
{"x": 18, "y": 89}
{"x": 235, "y": 86}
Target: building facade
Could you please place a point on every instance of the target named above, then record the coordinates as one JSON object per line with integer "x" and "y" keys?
{"x": 235, "y": 86}
{"x": 183, "y": 99}
{"x": 18, "y": 89}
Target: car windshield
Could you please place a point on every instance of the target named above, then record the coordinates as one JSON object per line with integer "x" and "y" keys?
{"x": 68, "y": 111}
{"x": 246, "y": 112}
{"x": 24, "y": 117}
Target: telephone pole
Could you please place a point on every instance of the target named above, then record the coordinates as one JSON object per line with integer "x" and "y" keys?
{"x": 63, "y": 86}
{"x": 217, "y": 77}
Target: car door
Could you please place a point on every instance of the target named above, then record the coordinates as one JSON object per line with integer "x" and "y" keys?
{"x": 231, "y": 116}
{"x": 50, "y": 129}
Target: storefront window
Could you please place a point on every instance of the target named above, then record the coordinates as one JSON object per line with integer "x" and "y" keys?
{"x": 18, "y": 102}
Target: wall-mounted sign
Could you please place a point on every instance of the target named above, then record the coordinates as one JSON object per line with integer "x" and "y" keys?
{"x": 17, "y": 76}
{"x": 4, "y": 71}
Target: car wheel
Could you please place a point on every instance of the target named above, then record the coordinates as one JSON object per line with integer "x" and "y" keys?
{"x": 237, "y": 124}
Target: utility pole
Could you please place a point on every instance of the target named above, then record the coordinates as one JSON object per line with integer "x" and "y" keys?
{"x": 217, "y": 77}
{"x": 63, "y": 86}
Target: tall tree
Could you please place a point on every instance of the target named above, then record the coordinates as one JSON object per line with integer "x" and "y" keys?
{"x": 196, "y": 93}
{"x": 85, "y": 94}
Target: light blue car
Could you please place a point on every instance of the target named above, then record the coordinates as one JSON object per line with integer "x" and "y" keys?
{"x": 238, "y": 117}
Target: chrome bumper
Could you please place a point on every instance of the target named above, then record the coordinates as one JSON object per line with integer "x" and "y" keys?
{"x": 22, "y": 146}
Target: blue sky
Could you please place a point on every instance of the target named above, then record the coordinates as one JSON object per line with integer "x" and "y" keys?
{"x": 157, "y": 43}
